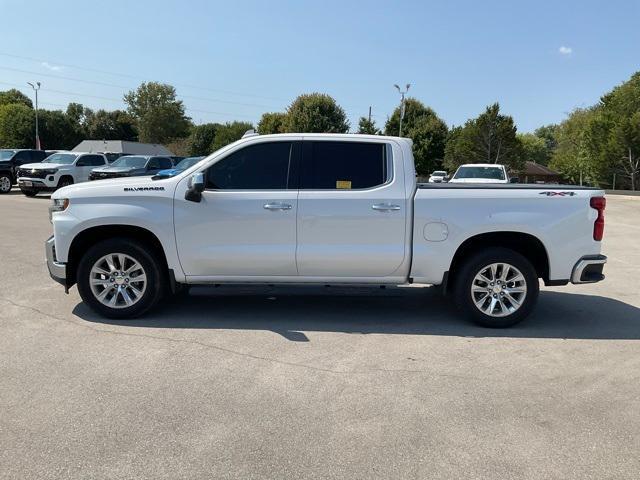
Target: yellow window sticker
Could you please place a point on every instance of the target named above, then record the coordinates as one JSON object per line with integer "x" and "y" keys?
{"x": 343, "y": 184}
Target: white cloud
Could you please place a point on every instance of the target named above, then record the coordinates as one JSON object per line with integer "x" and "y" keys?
{"x": 565, "y": 50}
{"x": 54, "y": 68}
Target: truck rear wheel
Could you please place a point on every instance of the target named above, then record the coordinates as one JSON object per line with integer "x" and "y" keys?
{"x": 119, "y": 278}
{"x": 497, "y": 288}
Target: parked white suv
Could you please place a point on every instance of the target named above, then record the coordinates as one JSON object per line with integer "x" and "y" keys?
{"x": 438, "y": 176}
{"x": 480, "y": 173}
{"x": 322, "y": 209}
{"x": 58, "y": 170}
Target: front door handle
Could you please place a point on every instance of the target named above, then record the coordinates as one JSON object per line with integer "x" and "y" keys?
{"x": 385, "y": 207}
{"x": 277, "y": 206}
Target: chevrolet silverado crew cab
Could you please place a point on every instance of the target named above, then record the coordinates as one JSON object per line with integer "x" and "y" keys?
{"x": 322, "y": 209}
{"x": 11, "y": 160}
{"x": 57, "y": 170}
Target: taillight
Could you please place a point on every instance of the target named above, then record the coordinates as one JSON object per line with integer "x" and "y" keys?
{"x": 599, "y": 203}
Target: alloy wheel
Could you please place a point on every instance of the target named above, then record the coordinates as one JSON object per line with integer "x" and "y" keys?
{"x": 118, "y": 280}
{"x": 498, "y": 289}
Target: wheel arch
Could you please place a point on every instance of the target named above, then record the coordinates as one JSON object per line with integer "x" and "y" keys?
{"x": 92, "y": 235}
{"x": 527, "y": 245}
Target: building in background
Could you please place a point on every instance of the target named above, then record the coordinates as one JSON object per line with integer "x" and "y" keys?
{"x": 537, "y": 173}
{"x": 117, "y": 148}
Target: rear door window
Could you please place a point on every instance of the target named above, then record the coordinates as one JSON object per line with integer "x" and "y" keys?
{"x": 334, "y": 165}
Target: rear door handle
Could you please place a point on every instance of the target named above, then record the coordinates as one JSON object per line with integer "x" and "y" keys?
{"x": 277, "y": 206}
{"x": 385, "y": 207}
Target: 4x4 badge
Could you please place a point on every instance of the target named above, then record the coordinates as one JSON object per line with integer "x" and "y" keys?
{"x": 558, "y": 194}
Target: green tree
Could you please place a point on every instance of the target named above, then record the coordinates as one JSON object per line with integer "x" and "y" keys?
{"x": 614, "y": 133}
{"x": 159, "y": 115}
{"x": 229, "y": 133}
{"x": 315, "y": 113}
{"x": 201, "y": 139}
{"x": 111, "y": 125}
{"x": 489, "y": 138}
{"x": 15, "y": 96}
{"x": 17, "y": 126}
{"x": 534, "y": 148}
{"x": 366, "y": 126}
{"x": 428, "y": 132}
{"x": 548, "y": 134}
{"x": 573, "y": 156}
{"x": 271, "y": 122}
{"x": 57, "y": 130}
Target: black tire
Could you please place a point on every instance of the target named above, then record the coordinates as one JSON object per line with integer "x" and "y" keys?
{"x": 29, "y": 193}
{"x": 473, "y": 265}
{"x": 65, "y": 182}
{"x": 155, "y": 274}
{"x": 5, "y": 183}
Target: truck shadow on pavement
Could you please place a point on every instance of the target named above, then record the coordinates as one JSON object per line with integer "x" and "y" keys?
{"x": 290, "y": 311}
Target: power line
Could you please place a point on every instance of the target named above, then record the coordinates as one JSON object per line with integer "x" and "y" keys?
{"x": 124, "y": 75}
{"x": 138, "y": 78}
{"x": 121, "y": 87}
{"x": 74, "y": 94}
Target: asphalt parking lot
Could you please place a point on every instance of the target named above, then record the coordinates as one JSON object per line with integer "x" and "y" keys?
{"x": 317, "y": 382}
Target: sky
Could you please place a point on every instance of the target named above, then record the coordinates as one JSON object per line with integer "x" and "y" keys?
{"x": 235, "y": 60}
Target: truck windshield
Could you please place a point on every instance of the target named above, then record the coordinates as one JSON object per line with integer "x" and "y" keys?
{"x": 493, "y": 173}
{"x": 130, "y": 161}
{"x": 61, "y": 158}
{"x": 6, "y": 154}
{"x": 188, "y": 162}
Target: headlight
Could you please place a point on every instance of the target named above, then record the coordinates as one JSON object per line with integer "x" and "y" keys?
{"x": 58, "y": 205}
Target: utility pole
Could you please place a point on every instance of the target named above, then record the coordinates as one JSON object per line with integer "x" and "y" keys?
{"x": 36, "y": 87}
{"x": 369, "y": 113}
{"x": 402, "y": 94}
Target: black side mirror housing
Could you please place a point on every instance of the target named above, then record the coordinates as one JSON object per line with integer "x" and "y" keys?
{"x": 196, "y": 187}
{"x": 514, "y": 180}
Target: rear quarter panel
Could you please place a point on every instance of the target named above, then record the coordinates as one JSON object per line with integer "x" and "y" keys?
{"x": 563, "y": 223}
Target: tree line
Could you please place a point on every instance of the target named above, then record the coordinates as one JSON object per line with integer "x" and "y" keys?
{"x": 593, "y": 145}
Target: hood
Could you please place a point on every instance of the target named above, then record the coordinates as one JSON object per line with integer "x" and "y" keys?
{"x": 112, "y": 169}
{"x": 477, "y": 180}
{"x": 116, "y": 187}
{"x": 41, "y": 166}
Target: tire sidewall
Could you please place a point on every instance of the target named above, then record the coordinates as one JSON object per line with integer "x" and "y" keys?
{"x": 65, "y": 182}
{"x": 8, "y": 177}
{"x": 474, "y": 264}
{"x": 153, "y": 271}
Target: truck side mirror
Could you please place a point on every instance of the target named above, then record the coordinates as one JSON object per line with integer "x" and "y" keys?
{"x": 196, "y": 187}
{"x": 514, "y": 180}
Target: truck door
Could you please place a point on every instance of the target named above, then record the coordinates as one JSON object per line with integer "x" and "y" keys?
{"x": 245, "y": 224}
{"x": 351, "y": 210}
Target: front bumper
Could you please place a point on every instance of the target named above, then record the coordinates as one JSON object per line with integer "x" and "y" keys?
{"x": 27, "y": 183}
{"x": 58, "y": 271}
{"x": 589, "y": 269}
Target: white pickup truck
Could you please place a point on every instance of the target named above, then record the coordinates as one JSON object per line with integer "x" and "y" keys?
{"x": 322, "y": 209}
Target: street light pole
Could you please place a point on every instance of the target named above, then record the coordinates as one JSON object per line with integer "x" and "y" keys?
{"x": 36, "y": 87}
{"x": 402, "y": 94}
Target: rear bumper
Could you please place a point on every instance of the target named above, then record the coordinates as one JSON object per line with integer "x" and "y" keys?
{"x": 589, "y": 269}
{"x": 58, "y": 271}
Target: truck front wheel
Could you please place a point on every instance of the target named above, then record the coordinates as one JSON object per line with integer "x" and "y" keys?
{"x": 497, "y": 287}
{"x": 118, "y": 278}
{"x": 5, "y": 183}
